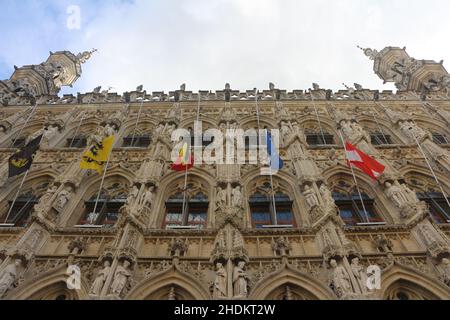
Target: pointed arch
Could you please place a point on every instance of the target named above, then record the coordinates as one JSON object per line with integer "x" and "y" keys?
{"x": 49, "y": 286}
{"x": 251, "y": 122}
{"x": 340, "y": 180}
{"x": 202, "y": 183}
{"x": 412, "y": 283}
{"x": 158, "y": 285}
{"x": 310, "y": 287}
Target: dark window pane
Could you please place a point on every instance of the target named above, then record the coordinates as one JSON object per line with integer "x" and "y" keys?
{"x": 18, "y": 143}
{"x": 136, "y": 142}
{"x": 440, "y": 138}
{"x": 77, "y": 142}
{"x": 380, "y": 139}
{"x": 319, "y": 139}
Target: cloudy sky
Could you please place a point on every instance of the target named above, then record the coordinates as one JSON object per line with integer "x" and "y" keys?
{"x": 207, "y": 43}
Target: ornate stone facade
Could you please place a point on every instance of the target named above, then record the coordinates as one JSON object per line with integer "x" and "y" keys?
{"x": 232, "y": 241}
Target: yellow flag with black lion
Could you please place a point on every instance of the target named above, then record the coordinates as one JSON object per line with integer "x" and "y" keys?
{"x": 97, "y": 155}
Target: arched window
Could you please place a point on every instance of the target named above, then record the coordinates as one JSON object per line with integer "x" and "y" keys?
{"x": 428, "y": 191}
{"x": 379, "y": 138}
{"x": 21, "y": 210}
{"x": 194, "y": 215}
{"x": 440, "y": 138}
{"x": 77, "y": 142}
{"x": 271, "y": 211}
{"x": 438, "y": 206}
{"x": 318, "y": 137}
{"x": 17, "y": 143}
{"x": 106, "y": 211}
{"x": 139, "y": 138}
{"x": 356, "y": 210}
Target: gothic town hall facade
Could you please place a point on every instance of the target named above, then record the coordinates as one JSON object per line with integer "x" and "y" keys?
{"x": 142, "y": 231}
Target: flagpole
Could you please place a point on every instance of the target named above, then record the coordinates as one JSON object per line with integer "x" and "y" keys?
{"x": 432, "y": 171}
{"x": 20, "y": 187}
{"x": 17, "y": 195}
{"x": 375, "y": 118}
{"x": 25, "y": 124}
{"x": 318, "y": 118}
{"x": 274, "y": 204}
{"x": 137, "y": 120}
{"x": 101, "y": 184}
{"x": 354, "y": 178}
{"x": 183, "y": 212}
{"x": 106, "y": 168}
{"x": 79, "y": 125}
{"x": 429, "y": 166}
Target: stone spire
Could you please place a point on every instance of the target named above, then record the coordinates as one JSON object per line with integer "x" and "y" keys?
{"x": 62, "y": 68}
{"x": 393, "y": 64}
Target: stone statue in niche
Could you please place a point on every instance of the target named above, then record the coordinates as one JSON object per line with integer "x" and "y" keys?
{"x": 360, "y": 274}
{"x": 311, "y": 197}
{"x": 412, "y": 131}
{"x": 340, "y": 279}
{"x": 327, "y": 197}
{"x": 121, "y": 278}
{"x": 236, "y": 200}
{"x": 445, "y": 271}
{"x": 133, "y": 195}
{"x": 147, "y": 198}
{"x": 240, "y": 281}
{"x": 9, "y": 275}
{"x": 44, "y": 201}
{"x": 63, "y": 198}
{"x": 221, "y": 197}
{"x": 396, "y": 194}
{"x": 100, "y": 279}
{"x": 220, "y": 282}
{"x": 48, "y": 134}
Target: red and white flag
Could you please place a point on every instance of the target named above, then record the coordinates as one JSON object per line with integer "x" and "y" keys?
{"x": 359, "y": 159}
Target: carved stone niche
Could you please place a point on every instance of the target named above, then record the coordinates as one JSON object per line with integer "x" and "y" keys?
{"x": 281, "y": 246}
{"x": 433, "y": 239}
{"x": 228, "y": 173}
{"x": 178, "y": 247}
{"x": 77, "y": 246}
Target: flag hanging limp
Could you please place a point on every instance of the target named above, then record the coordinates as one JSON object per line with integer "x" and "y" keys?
{"x": 276, "y": 163}
{"x": 367, "y": 164}
{"x": 22, "y": 160}
{"x": 184, "y": 161}
{"x": 97, "y": 155}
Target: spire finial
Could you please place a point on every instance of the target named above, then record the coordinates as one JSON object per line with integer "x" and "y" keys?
{"x": 85, "y": 56}
{"x": 371, "y": 53}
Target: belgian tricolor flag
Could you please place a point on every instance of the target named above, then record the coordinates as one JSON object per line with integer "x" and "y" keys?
{"x": 184, "y": 161}
{"x": 21, "y": 161}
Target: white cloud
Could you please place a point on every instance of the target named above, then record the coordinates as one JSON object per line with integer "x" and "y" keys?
{"x": 250, "y": 43}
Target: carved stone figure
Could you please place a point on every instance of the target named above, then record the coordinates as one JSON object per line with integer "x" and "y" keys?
{"x": 445, "y": 271}
{"x": 133, "y": 195}
{"x": 395, "y": 193}
{"x": 221, "y": 197}
{"x": 327, "y": 197}
{"x": 147, "y": 198}
{"x": 100, "y": 279}
{"x": 240, "y": 281}
{"x": 63, "y": 198}
{"x": 236, "y": 197}
{"x": 311, "y": 197}
{"x": 8, "y": 276}
{"x": 340, "y": 279}
{"x": 412, "y": 131}
{"x": 120, "y": 278}
{"x": 220, "y": 282}
{"x": 48, "y": 135}
{"x": 360, "y": 274}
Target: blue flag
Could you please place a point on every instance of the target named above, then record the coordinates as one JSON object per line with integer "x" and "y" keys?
{"x": 276, "y": 163}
